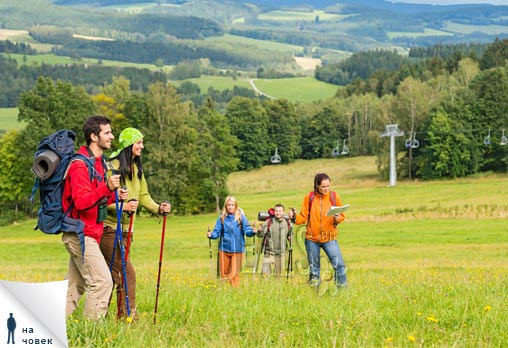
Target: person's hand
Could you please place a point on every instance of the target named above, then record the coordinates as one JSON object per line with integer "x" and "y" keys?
{"x": 131, "y": 206}
{"x": 209, "y": 234}
{"x": 165, "y": 208}
{"x": 123, "y": 193}
{"x": 113, "y": 182}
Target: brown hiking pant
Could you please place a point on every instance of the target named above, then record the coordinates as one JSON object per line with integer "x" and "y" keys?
{"x": 107, "y": 244}
{"x": 230, "y": 267}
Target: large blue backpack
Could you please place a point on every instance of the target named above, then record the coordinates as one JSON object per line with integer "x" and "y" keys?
{"x": 53, "y": 156}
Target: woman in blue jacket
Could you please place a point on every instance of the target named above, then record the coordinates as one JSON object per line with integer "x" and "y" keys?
{"x": 231, "y": 227}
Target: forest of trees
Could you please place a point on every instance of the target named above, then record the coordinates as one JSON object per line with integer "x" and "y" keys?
{"x": 454, "y": 113}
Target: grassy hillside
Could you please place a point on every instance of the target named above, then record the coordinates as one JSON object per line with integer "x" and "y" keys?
{"x": 52, "y": 59}
{"x": 262, "y": 44}
{"x": 303, "y": 89}
{"x": 426, "y": 267}
{"x": 217, "y": 82}
{"x": 9, "y": 119}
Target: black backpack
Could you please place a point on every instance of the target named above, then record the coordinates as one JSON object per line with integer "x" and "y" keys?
{"x": 53, "y": 156}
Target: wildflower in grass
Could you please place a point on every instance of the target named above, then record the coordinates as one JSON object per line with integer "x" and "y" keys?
{"x": 432, "y": 319}
{"x": 419, "y": 314}
{"x": 389, "y": 339}
{"x": 411, "y": 338}
{"x": 487, "y": 308}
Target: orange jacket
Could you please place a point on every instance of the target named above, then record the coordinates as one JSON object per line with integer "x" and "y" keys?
{"x": 320, "y": 228}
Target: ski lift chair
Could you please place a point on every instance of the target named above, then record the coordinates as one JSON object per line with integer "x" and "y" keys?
{"x": 486, "y": 140}
{"x": 336, "y": 150}
{"x": 504, "y": 139}
{"x": 345, "y": 149}
{"x": 275, "y": 158}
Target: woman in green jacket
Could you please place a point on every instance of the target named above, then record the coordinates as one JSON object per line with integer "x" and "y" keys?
{"x": 127, "y": 162}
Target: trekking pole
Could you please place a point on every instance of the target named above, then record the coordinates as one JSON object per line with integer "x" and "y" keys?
{"x": 160, "y": 265}
{"x": 262, "y": 251}
{"x": 129, "y": 233}
{"x": 119, "y": 239}
{"x": 118, "y": 227}
{"x": 210, "y": 248}
{"x": 290, "y": 259}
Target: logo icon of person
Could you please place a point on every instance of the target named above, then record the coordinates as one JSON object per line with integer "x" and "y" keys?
{"x": 11, "y": 326}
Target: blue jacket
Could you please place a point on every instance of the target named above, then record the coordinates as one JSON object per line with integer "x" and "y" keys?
{"x": 232, "y": 236}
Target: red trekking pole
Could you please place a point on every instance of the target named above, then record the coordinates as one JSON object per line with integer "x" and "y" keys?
{"x": 129, "y": 233}
{"x": 160, "y": 266}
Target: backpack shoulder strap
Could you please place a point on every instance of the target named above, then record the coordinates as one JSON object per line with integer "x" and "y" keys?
{"x": 269, "y": 224}
{"x": 311, "y": 198}
{"x": 333, "y": 198}
{"x": 89, "y": 164}
{"x": 288, "y": 221}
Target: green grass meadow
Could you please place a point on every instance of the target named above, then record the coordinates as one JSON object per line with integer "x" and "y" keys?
{"x": 284, "y": 16}
{"x": 261, "y": 44}
{"x": 427, "y": 267}
{"x": 9, "y": 119}
{"x": 219, "y": 83}
{"x": 303, "y": 89}
{"x": 51, "y": 59}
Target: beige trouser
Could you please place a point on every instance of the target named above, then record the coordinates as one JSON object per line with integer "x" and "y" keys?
{"x": 89, "y": 275}
{"x": 106, "y": 246}
{"x": 276, "y": 261}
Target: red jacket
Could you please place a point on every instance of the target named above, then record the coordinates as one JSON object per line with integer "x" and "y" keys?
{"x": 86, "y": 194}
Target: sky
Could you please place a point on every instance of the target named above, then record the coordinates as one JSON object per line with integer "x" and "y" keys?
{"x": 454, "y": 2}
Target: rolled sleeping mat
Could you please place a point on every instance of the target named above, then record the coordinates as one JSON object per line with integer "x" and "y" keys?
{"x": 45, "y": 164}
{"x": 263, "y": 215}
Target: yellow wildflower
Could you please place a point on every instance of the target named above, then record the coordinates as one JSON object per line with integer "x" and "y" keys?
{"x": 432, "y": 319}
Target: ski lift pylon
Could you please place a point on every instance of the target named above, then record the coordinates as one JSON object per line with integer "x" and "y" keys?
{"x": 275, "y": 158}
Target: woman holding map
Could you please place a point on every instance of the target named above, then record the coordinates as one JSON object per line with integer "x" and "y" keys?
{"x": 321, "y": 230}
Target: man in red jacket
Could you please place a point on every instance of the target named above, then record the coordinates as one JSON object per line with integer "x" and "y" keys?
{"x": 88, "y": 273}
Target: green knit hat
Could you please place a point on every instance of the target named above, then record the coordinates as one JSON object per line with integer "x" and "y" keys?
{"x": 128, "y": 137}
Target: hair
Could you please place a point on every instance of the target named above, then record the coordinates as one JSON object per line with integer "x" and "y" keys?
{"x": 318, "y": 179}
{"x": 126, "y": 163}
{"x": 93, "y": 125}
{"x": 278, "y": 205}
{"x": 238, "y": 212}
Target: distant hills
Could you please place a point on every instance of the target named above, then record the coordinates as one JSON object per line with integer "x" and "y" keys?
{"x": 244, "y": 35}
